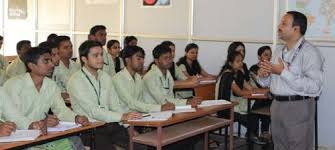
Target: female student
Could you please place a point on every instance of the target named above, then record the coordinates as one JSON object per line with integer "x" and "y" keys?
{"x": 113, "y": 47}
{"x": 233, "y": 86}
{"x": 239, "y": 47}
{"x": 189, "y": 63}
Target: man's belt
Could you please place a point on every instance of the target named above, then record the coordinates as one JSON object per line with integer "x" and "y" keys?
{"x": 289, "y": 97}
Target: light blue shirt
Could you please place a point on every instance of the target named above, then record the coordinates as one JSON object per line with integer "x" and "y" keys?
{"x": 305, "y": 74}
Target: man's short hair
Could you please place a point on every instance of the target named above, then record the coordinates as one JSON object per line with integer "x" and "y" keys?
{"x": 159, "y": 50}
{"x": 299, "y": 19}
{"x": 33, "y": 54}
{"x": 20, "y": 44}
{"x": 97, "y": 28}
{"x": 85, "y": 47}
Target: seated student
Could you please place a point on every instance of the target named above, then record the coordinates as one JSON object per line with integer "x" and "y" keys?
{"x": 14, "y": 119}
{"x": 158, "y": 82}
{"x": 189, "y": 63}
{"x": 54, "y": 54}
{"x": 34, "y": 94}
{"x": 113, "y": 47}
{"x": 52, "y": 38}
{"x": 129, "y": 41}
{"x": 233, "y": 86}
{"x": 264, "y": 53}
{"x": 239, "y": 47}
{"x": 17, "y": 67}
{"x": 98, "y": 33}
{"x": 128, "y": 83}
{"x": 92, "y": 93}
{"x": 3, "y": 65}
{"x": 177, "y": 74}
{"x": 66, "y": 66}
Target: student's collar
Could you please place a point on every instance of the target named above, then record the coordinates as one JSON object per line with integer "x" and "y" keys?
{"x": 30, "y": 81}
{"x": 126, "y": 73}
{"x": 159, "y": 72}
{"x": 91, "y": 76}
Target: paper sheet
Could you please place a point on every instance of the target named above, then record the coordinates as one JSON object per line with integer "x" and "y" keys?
{"x": 207, "y": 103}
{"x": 63, "y": 126}
{"x": 21, "y": 135}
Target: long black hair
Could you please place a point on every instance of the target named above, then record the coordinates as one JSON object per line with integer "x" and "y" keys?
{"x": 195, "y": 67}
{"x": 230, "y": 59}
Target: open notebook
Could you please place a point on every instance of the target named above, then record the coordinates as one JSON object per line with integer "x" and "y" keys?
{"x": 63, "y": 126}
{"x": 21, "y": 135}
{"x": 207, "y": 103}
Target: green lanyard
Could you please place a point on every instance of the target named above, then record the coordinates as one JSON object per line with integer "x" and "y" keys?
{"x": 95, "y": 90}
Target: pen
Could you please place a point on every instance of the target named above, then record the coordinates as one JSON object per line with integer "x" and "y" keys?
{"x": 146, "y": 115}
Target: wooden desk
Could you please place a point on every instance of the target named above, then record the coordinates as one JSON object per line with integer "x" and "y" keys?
{"x": 249, "y": 99}
{"x": 54, "y": 136}
{"x": 161, "y": 138}
{"x": 204, "y": 89}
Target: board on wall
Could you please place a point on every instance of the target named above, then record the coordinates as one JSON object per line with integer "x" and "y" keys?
{"x": 167, "y": 21}
{"x": 234, "y": 19}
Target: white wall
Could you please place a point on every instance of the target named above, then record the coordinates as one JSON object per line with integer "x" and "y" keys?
{"x": 215, "y": 25}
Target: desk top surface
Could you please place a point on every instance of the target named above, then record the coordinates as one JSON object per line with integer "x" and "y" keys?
{"x": 180, "y": 117}
{"x": 201, "y": 83}
{"x": 50, "y": 136}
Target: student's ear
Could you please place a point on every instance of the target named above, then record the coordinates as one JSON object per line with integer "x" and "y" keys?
{"x": 156, "y": 61}
{"x": 91, "y": 37}
{"x": 84, "y": 59}
{"x": 127, "y": 60}
{"x": 31, "y": 66}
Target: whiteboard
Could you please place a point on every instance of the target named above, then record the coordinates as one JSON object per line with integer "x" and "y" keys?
{"x": 173, "y": 20}
{"x": 234, "y": 19}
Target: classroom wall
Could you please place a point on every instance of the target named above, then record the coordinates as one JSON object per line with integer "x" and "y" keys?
{"x": 213, "y": 25}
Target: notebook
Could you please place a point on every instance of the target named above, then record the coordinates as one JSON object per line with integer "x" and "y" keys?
{"x": 21, "y": 135}
{"x": 63, "y": 126}
{"x": 207, "y": 103}
{"x": 155, "y": 116}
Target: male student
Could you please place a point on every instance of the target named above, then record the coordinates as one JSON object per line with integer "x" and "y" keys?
{"x": 34, "y": 94}
{"x": 66, "y": 66}
{"x": 98, "y": 33}
{"x": 17, "y": 67}
{"x": 158, "y": 82}
{"x": 92, "y": 94}
{"x": 3, "y": 65}
{"x": 14, "y": 119}
{"x": 54, "y": 54}
{"x": 129, "y": 85}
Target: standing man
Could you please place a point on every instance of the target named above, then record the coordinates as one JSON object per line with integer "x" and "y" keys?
{"x": 295, "y": 77}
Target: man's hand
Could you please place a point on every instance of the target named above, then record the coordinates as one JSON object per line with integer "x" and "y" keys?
{"x": 83, "y": 120}
{"x": 167, "y": 106}
{"x": 52, "y": 121}
{"x": 267, "y": 68}
{"x": 131, "y": 115}
{"x": 7, "y": 128}
{"x": 39, "y": 125}
{"x": 194, "y": 101}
